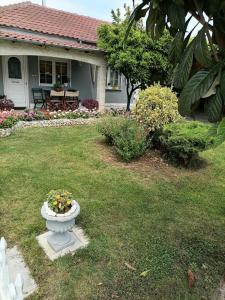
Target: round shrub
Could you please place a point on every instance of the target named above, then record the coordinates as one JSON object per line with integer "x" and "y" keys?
{"x": 155, "y": 107}
{"x": 126, "y": 135}
{"x": 90, "y": 104}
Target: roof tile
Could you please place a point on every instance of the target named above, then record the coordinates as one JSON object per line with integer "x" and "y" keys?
{"x": 33, "y": 17}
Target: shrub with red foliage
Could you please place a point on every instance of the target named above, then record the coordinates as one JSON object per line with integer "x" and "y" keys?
{"x": 90, "y": 104}
{"x": 6, "y": 104}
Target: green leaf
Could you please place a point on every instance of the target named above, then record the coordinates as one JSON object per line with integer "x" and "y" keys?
{"x": 176, "y": 16}
{"x": 195, "y": 88}
{"x": 184, "y": 68}
{"x": 137, "y": 14}
{"x": 222, "y": 86}
{"x": 201, "y": 51}
{"x": 176, "y": 48}
{"x": 152, "y": 20}
{"x": 214, "y": 107}
{"x": 145, "y": 273}
{"x": 220, "y": 137}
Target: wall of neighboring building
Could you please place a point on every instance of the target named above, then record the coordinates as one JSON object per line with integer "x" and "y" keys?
{"x": 1, "y": 78}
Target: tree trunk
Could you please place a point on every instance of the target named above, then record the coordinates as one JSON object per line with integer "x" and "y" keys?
{"x": 129, "y": 96}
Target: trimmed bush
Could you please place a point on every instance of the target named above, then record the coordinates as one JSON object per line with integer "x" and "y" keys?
{"x": 182, "y": 141}
{"x": 90, "y": 104}
{"x": 155, "y": 107}
{"x": 128, "y": 137}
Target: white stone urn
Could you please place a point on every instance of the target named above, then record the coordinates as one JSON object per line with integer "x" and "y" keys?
{"x": 60, "y": 224}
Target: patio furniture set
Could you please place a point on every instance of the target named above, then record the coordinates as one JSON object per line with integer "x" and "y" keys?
{"x": 56, "y": 100}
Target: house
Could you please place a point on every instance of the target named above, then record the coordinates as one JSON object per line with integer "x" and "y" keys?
{"x": 40, "y": 46}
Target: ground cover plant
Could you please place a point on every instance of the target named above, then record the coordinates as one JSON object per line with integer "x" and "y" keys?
{"x": 148, "y": 224}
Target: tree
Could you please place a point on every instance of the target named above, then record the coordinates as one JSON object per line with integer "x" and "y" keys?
{"x": 140, "y": 59}
{"x": 199, "y": 60}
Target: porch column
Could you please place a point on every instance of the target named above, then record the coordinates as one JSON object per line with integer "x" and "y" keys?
{"x": 101, "y": 84}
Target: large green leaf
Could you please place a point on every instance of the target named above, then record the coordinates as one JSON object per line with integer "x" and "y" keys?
{"x": 195, "y": 88}
{"x": 176, "y": 48}
{"x": 214, "y": 107}
{"x": 201, "y": 51}
{"x": 184, "y": 68}
{"x": 220, "y": 137}
{"x": 176, "y": 16}
{"x": 138, "y": 13}
{"x": 222, "y": 86}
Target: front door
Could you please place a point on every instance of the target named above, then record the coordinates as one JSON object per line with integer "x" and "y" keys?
{"x": 15, "y": 79}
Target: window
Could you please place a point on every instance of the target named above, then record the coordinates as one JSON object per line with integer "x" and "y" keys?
{"x": 61, "y": 71}
{"x": 52, "y": 71}
{"x": 14, "y": 68}
{"x": 46, "y": 72}
{"x": 113, "y": 79}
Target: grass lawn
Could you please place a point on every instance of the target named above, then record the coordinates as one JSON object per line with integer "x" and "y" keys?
{"x": 149, "y": 215}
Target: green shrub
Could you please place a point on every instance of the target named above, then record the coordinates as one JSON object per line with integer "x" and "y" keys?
{"x": 109, "y": 128}
{"x": 128, "y": 137}
{"x": 131, "y": 142}
{"x": 182, "y": 141}
{"x": 155, "y": 107}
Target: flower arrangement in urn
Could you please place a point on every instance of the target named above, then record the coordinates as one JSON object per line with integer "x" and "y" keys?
{"x": 60, "y": 210}
{"x": 60, "y": 201}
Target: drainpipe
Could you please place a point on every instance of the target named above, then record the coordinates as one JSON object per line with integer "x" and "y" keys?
{"x": 43, "y": 2}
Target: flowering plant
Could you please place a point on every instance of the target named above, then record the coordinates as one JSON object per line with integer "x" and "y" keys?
{"x": 59, "y": 201}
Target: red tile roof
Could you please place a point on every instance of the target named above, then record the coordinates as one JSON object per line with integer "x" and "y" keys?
{"x": 40, "y": 19}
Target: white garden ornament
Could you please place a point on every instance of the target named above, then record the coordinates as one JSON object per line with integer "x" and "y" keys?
{"x": 8, "y": 290}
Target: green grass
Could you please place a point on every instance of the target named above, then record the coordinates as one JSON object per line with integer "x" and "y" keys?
{"x": 149, "y": 218}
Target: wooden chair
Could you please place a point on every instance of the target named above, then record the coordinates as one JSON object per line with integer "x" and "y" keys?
{"x": 55, "y": 101}
{"x": 38, "y": 97}
{"x": 72, "y": 100}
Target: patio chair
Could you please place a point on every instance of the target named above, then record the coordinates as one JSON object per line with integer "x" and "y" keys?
{"x": 72, "y": 99}
{"x": 38, "y": 97}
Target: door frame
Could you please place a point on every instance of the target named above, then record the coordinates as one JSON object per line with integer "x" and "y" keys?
{"x": 24, "y": 72}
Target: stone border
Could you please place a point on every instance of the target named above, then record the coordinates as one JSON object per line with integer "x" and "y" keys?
{"x": 46, "y": 123}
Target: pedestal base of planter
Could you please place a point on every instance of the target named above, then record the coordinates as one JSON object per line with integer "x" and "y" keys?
{"x": 60, "y": 241}
{"x": 80, "y": 241}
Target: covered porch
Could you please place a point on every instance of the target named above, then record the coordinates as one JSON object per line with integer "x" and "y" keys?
{"x": 25, "y": 67}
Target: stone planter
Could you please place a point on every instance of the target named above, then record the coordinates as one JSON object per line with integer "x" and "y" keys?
{"x": 60, "y": 225}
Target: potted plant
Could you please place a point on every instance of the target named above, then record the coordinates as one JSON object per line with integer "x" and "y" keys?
{"x": 60, "y": 210}
{"x": 58, "y": 87}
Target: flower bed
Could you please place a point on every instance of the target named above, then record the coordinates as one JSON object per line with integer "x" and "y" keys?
{"x": 10, "y": 120}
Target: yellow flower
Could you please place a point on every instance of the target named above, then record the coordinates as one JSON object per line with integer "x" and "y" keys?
{"x": 54, "y": 203}
{"x": 69, "y": 202}
{"x": 57, "y": 197}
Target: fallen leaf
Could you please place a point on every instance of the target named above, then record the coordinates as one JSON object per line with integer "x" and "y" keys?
{"x": 130, "y": 267}
{"x": 100, "y": 284}
{"x": 115, "y": 296}
{"x": 191, "y": 279}
{"x": 145, "y": 273}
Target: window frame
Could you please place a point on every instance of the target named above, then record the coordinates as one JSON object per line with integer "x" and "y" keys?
{"x": 53, "y": 60}
{"x": 108, "y": 80}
